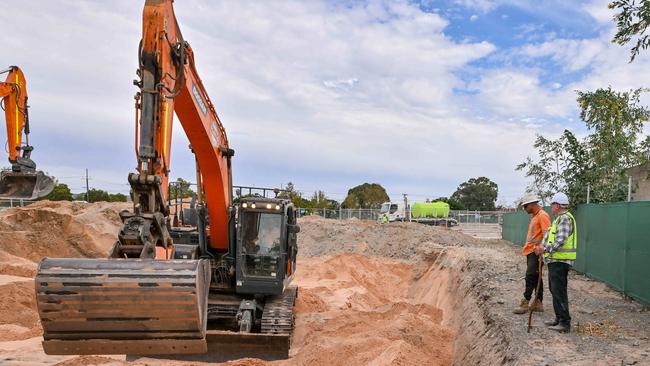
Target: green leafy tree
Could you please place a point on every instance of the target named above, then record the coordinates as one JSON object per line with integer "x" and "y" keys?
{"x": 477, "y": 194}
{"x": 320, "y": 200}
{"x": 181, "y": 189}
{"x": 632, "y": 21}
{"x": 291, "y": 193}
{"x": 615, "y": 121}
{"x": 96, "y": 195}
{"x": 61, "y": 192}
{"x": 116, "y": 197}
{"x": 367, "y": 195}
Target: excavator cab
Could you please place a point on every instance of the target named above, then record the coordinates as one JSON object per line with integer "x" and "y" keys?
{"x": 266, "y": 245}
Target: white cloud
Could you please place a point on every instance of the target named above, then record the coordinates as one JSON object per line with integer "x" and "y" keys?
{"x": 473, "y": 18}
{"x": 518, "y": 94}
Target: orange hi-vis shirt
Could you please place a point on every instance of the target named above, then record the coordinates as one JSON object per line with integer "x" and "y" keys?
{"x": 539, "y": 223}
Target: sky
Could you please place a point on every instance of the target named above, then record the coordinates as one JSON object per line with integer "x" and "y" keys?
{"x": 416, "y": 96}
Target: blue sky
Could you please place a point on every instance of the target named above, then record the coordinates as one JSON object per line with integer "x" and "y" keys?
{"x": 416, "y": 96}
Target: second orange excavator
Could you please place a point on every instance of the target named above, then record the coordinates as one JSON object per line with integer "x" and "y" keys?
{"x": 223, "y": 274}
{"x": 22, "y": 181}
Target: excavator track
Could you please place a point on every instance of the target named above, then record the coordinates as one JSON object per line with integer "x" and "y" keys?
{"x": 277, "y": 317}
{"x": 122, "y": 306}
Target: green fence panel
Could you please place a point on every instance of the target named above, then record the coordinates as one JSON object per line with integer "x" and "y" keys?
{"x": 637, "y": 262}
{"x": 515, "y": 225}
{"x": 613, "y": 243}
{"x": 601, "y": 242}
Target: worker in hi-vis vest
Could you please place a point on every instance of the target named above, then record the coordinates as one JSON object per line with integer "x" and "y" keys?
{"x": 539, "y": 223}
{"x": 560, "y": 245}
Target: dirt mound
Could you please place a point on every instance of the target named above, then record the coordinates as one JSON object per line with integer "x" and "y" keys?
{"x": 18, "y": 316}
{"x": 60, "y": 229}
{"x": 16, "y": 266}
{"x": 403, "y": 240}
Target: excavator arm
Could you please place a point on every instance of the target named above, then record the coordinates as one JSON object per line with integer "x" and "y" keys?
{"x": 13, "y": 93}
{"x": 23, "y": 181}
{"x": 169, "y": 83}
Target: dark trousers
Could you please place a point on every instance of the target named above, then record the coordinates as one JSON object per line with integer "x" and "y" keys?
{"x": 557, "y": 282}
{"x": 532, "y": 272}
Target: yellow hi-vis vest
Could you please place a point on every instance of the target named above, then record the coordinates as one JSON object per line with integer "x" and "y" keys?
{"x": 568, "y": 250}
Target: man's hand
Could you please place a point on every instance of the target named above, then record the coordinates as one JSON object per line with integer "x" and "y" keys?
{"x": 539, "y": 250}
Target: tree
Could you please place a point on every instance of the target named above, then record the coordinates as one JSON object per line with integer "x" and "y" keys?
{"x": 181, "y": 189}
{"x": 477, "y": 194}
{"x": 600, "y": 161}
{"x": 320, "y": 200}
{"x": 616, "y": 119}
{"x": 116, "y": 197}
{"x": 632, "y": 21}
{"x": 96, "y": 195}
{"x": 366, "y": 195}
{"x": 61, "y": 192}
{"x": 291, "y": 193}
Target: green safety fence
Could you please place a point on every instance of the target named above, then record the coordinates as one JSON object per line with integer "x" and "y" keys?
{"x": 613, "y": 244}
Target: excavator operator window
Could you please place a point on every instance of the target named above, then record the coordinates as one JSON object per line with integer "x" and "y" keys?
{"x": 261, "y": 243}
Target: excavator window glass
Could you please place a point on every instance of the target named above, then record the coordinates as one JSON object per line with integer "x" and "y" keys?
{"x": 384, "y": 208}
{"x": 261, "y": 243}
{"x": 393, "y": 208}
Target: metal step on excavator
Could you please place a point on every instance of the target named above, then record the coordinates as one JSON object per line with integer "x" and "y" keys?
{"x": 22, "y": 181}
{"x": 215, "y": 285}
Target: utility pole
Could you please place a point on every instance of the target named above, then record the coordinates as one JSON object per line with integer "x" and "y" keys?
{"x": 87, "y": 197}
{"x": 407, "y": 212}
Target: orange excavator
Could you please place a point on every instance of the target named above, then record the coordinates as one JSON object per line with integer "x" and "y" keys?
{"x": 22, "y": 181}
{"x": 217, "y": 282}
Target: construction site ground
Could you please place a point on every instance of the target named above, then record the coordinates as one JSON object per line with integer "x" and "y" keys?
{"x": 369, "y": 294}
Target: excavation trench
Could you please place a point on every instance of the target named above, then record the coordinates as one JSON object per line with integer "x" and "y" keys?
{"x": 355, "y": 309}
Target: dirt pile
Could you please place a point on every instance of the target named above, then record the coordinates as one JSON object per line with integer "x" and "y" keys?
{"x": 59, "y": 229}
{"x": 18, "y": 318}
{"x": 409, "y": 241}
{"x": 53, "y": 229}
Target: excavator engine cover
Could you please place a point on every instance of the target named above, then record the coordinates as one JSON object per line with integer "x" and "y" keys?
{"x": 123, "y": 306}
{"x": 25, "y": 185}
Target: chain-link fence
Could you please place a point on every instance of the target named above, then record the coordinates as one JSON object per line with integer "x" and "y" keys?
{"x": 461, "y": 216}
{"x": 341, "y": 214}
{"x": 14, "y": 202}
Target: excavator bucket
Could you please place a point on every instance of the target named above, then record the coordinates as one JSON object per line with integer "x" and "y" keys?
{"x": 21, "y": 185}
{"x": 123, "y": 306}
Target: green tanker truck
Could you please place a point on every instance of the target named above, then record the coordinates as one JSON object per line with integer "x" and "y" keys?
{"x": 430, "y": 213}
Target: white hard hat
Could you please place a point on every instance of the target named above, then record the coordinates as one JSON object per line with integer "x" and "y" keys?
{"x": 529, "y": 198}
{"x": 560, "y": 198}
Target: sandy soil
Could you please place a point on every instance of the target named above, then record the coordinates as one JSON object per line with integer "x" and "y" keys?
{"x": 398, "y": 294}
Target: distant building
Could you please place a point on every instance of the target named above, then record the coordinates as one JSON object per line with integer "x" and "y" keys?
{"x": 640, "y": 182}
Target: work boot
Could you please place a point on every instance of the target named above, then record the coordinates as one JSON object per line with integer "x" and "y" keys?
{"x": 522, "y": 308}
{"x": 562, "y": 328}
{"x": 537, "y": 306}
{"x": 551, "y": 323}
